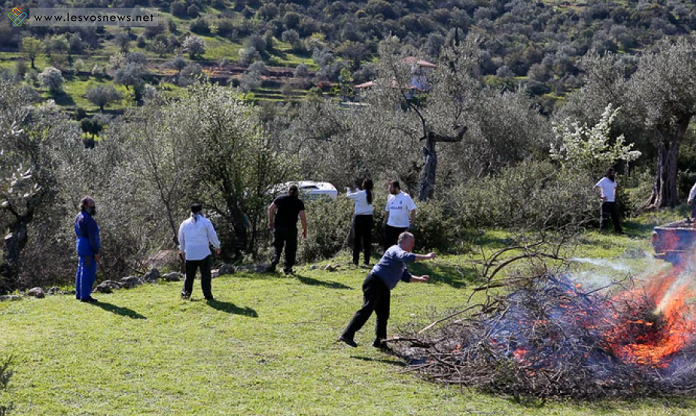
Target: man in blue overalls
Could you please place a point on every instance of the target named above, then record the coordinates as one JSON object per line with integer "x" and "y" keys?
{"x": 88, "y": 246}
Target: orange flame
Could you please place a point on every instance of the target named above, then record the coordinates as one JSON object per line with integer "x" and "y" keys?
{"x": 671, "y": 327}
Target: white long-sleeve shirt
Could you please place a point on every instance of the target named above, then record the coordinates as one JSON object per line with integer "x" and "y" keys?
{"x": 692, "y": 193}
{"x": 361, "y": 205}
{"x": 195, "y": 237}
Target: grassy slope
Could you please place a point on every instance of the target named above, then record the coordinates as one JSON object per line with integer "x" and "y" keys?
{"x": 265, "y": 347}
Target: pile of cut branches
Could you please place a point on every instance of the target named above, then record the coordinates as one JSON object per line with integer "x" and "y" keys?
{"x": 539, "y": 334}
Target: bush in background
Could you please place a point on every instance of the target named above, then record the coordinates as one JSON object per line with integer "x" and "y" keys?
{"x": 5, "y": 375}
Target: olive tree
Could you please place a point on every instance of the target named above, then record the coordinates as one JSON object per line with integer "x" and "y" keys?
{"x": 663, "y": 96}
{"x": 221, "y": 158}
{"x": 31, "y": 143}
{"x": 102, "y": 95}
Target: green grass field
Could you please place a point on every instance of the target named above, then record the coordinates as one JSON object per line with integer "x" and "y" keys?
{"x": 266, "y": 346}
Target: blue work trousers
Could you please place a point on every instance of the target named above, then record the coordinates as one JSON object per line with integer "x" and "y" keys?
{"x": 86, "y": 275}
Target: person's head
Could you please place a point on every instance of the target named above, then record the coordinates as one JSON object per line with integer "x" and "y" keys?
{"x": 293, "y": 190}
{"x": 610, "y": 173}
{"x": 196, "y": 208}
{"x": 406, "y": 241}
{"x": 394, "y": 187}
{"x": 367, "y": 185}
{"x": 87, "y": 205}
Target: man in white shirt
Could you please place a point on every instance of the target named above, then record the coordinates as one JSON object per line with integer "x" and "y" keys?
{"x": 607, "y": 193}
{"x": 692, "y": 195}
{"x": 400, "y": 214}
{"x": 196, "y": 234}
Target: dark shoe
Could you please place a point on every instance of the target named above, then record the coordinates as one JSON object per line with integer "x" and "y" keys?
{"x": 89, "y": 299}
{"x": 289, "y": 272}
{"x": 348, "y": 341}
{"x": 270, "y": 269}
{"x": 210, "y": 298}
{"x": 381, "y": 345}
{"x": 185, "y": 296}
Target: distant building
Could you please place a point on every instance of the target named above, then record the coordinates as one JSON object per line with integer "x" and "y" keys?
{"x": 420, "y": 70}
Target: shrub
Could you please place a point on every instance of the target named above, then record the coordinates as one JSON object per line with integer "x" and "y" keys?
{"x": 529, "y": 195}
{"x": 328, "y": 224}
{"x": 5, "y": 375}
{"x": 435, "y": 227}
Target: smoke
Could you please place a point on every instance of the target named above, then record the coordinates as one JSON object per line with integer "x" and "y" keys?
{"x": 619, "y": 267}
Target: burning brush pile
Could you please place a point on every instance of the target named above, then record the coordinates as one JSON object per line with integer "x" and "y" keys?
{"x": 551, "y": 337}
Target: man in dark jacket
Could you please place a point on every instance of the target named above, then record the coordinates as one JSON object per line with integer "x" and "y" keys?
{"x": 88, "y": 249}
{"x": 282, "y": 219}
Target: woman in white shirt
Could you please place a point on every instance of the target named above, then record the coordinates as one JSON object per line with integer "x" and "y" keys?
{"x": 362, "y": 220}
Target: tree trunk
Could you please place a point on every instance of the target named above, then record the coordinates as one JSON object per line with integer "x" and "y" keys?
{"x": 664, "y": 193}
{"x": 427, "y": 183}
{"x": 15, "y": 241}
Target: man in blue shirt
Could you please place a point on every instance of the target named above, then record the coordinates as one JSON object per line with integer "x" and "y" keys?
{"x": 378, "y": 285}
{"x": 88, "y": 249}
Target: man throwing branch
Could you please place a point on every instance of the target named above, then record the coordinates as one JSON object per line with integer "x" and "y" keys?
{"x": 378, "y": 285}
{"x": 282, "y": 219}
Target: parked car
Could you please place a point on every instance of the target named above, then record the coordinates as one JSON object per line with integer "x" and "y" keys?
{"x": 308, "y": 189}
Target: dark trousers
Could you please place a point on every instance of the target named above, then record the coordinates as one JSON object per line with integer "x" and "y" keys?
{"x": 362, "y": 233}
{"x": 391, "y": 235}
{"x": 610, "y": 209}
{"x": 191, "y": 267}
{"x": 284, "y": 237}
{"x": 84, "y": 279}
{"x": 376, "y": 297}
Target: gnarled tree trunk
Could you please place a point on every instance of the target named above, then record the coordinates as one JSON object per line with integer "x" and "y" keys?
{"x": 427, "y": 182}
{"x": 664, "y": 193}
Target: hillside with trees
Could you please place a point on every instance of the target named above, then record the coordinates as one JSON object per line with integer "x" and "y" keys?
{"x": 526, "y": 105}
{"x": 313, "y": 45}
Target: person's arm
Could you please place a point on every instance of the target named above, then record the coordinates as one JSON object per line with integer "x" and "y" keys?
{"x": 182, "y": 242}
{"x": 271, "y": 213}
{"x": 409, "y": 278}
{"x": 212, "y": 237}
{"x": 352, "y": 195}
{"x": 386, "y": 210}
{"x": 422, "y": 257}
{"x": 692, "y": 194}
{"x": 94, "y": 242}
{"x": 597, "y": 189}
{"x": 407, "y": 257}
{"x": 412, "y": 218}
{"x": 303, "y": 219}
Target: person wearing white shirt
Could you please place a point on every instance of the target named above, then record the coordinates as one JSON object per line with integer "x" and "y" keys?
{"x": 362, "y": 220}
{"x": 607, "y": 193}
{"x": 196, "y": 234}
{"x": 400, "y": 214}
{"x": 692, "y": 195}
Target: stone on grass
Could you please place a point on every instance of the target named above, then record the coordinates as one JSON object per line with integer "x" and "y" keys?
{"x": 107, "y": 286}
{"x": 172, "y": 277}
{"x": 10, "y": 297}
{"x": 131, "y": 282}
{"x": 152, "y": 276}
{"x": 36, "y": 292}
{"x": 226, "y": 269}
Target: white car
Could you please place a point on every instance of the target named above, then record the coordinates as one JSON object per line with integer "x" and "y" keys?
{"x": 308, "y": 189}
